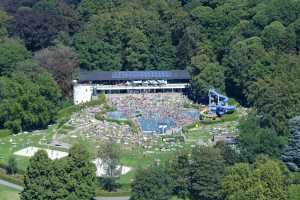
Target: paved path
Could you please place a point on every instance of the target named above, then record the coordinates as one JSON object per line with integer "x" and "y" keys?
{"x": 111, "y": 198}
{"x": 11, "y": 185}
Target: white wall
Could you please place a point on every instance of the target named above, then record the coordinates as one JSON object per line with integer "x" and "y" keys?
{"x": 82, "y": 93}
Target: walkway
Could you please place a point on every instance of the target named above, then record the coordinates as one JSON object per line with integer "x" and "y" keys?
{"x": 11, "y": 185}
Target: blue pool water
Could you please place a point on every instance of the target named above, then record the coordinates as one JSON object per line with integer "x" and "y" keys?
{"x": 116, "y": 115}
{"x": 154, "y": 125}
{"x": 192, "y": 114}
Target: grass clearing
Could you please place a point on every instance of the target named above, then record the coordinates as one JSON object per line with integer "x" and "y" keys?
{"x": 8, "y": 193}
{"x": 196, "y": 134}
{"x": 4, "y": 133}
{"x": 13, "y": 143}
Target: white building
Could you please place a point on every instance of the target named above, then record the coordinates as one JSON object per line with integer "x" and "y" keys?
{"x": 92, "y": 83}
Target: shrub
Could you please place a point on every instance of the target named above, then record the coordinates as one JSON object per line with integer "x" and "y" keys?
{"x": 11, "y": 168}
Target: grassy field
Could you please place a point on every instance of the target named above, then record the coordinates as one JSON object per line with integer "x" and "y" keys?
{"x": 13, "y": 143}
{"x": 195, "y": 134}
{"x": 8, "y": 194}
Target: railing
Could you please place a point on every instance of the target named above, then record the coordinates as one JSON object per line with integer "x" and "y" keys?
{"x": 141, "y": 87}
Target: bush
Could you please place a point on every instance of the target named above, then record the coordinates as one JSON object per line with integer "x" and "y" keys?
{"x": 100, "y": 116}
{"x": 233, "y": 102}
{"x": 11, "y": 168}
{"x": 109, "y": 184}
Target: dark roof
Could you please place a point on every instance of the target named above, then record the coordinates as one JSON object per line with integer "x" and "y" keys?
{"x": 133, "y": 75}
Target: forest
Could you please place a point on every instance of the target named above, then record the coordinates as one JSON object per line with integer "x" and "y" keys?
{"x": 244, "y": 48}
{"x": 248, "y": 49}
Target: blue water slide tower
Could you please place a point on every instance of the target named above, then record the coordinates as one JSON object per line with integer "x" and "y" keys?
{"x": 218, "y": 103}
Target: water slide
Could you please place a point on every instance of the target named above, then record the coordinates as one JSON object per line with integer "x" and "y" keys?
{"x": 219, "y": 103}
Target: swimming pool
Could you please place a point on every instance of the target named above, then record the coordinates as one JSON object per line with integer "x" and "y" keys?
{"x": 116, "y": 115}
{"x": 155, "y": 125}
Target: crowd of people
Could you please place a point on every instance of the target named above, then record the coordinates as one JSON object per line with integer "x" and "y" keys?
{"x": 84, "y": 123}
{"x": 168, "y": 108}
{"x": 155, "y": 106}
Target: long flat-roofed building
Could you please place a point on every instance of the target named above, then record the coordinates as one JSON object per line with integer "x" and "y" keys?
{"x": 91, "y": 83}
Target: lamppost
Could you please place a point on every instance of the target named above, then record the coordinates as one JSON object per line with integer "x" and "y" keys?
{"x": 163, "y": 127}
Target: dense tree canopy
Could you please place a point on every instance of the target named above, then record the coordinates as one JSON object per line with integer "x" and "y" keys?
{"x": 152, "y": 183}
{"x": 179, "y": 170}
{"x": 280, "y": 101}
{"x": 4, "y": 17}
{"x": 37, "y": 178}
{"x": 62, "y": 62}
{"x": 28, "y": 104}
{"x": 266, "y": 180}
{"x": 72, "y": 177}
{"x": 11, "y": 52}
{"x": 130, "y": 38}
{"x": 207, "y": 168}
{"x": 203, "y": 68}
{"x": 254, "y": 140}
{"x": 39, "y": 24}
{"x": 291, "y": 154}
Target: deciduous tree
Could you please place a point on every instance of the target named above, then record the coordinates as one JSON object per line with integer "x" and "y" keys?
{"x": 254, "y": 140}
{"x": 152, "y": 183}
{"x": 62, "y": 63}
{"x": 36, "y": 179}
{"x": 179, "y": 170}
{"x": 81, "y": 174}
{"x": 206, "y": 171}
{"x": 267, "y": 179}
{"x": 206, "y": 74}
{"x": 11, "y": 52}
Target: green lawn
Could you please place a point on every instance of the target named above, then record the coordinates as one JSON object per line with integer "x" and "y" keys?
{"x": 8, "y": 194}
{"x": 294, "y": 192}
{"x": 13, "y": 143}
{"x": 137, "y": 158}
{"x": 195, "y": 134}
